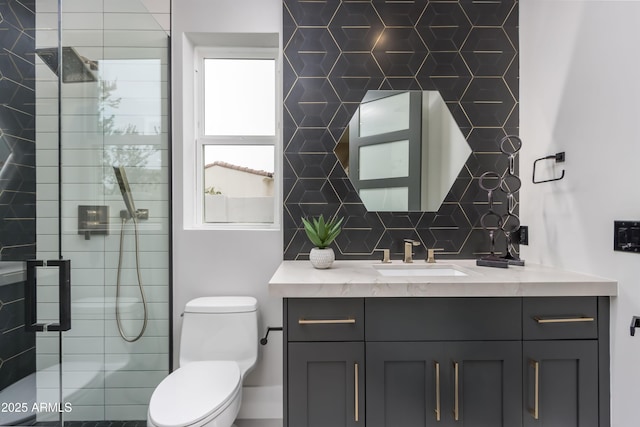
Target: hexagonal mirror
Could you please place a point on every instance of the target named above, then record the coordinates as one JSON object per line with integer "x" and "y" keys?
{"x": 402, "y": 150}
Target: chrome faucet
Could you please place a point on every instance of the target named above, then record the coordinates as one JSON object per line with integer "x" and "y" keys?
{"x": 408, "y": 249}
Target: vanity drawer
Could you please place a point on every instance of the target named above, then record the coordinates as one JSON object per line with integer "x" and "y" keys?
{"x": 443, "y": 319}
{"x": 554, "y": 318}
{"x": 325, "y": 319}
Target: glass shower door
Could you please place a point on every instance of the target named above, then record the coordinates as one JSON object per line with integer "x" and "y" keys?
{"x": 114, "y": 207}
{"x": 34, "y": 284}
{"x": 84, "y": 180}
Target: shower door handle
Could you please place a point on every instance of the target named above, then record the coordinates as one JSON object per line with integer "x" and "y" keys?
{"x": 64, "y": 301}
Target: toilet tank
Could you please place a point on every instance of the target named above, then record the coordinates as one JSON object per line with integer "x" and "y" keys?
{"x": 220, "y": 328}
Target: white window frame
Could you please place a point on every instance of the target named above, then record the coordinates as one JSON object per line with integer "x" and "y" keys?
{"x": 202, "y": 140}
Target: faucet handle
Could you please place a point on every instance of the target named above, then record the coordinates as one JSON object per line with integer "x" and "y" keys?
{"x": 431, "y": 254}
{"x": 386, "y": 255}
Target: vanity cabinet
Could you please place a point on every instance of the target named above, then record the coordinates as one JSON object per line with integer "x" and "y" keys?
{"x": 565, "y": 364}
{"x": 473, "y": 362}
{"x": 443, "y": 383}
{"x": 326, "y": 386}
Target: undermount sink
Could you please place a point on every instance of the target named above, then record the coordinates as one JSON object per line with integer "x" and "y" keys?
{"x": 419, "y": 270}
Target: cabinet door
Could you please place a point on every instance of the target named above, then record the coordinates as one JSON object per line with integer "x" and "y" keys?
{"x": 485, "y": 384}
{"x": 326, "y": 384}
{"x": 561, "y": 383}
{"x": 406, "y": 384}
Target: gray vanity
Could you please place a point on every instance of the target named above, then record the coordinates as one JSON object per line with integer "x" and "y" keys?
{"x": 523, "y": 346}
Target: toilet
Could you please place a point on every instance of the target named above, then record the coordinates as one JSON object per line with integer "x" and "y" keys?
{"x": 218, "y": 347}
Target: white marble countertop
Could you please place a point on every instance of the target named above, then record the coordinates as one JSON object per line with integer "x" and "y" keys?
{"x": 298, "y": 279}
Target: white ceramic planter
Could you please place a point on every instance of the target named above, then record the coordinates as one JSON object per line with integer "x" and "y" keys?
{"x": 322, "y": 258}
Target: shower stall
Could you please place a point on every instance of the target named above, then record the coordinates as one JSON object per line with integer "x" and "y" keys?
{"x": 84, "y": 210}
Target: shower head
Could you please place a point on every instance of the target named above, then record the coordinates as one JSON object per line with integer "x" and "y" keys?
{"x": 75, "y": 68}
{"x": 123, "y": 183}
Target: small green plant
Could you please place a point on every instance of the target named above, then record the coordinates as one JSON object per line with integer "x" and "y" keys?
{"x": 321, "y": 232}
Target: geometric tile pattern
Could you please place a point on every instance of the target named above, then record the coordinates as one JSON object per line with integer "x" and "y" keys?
{"x": 335, "y": 51}
{"x": 17, "y": 346}
{"x": 17, "y": 130}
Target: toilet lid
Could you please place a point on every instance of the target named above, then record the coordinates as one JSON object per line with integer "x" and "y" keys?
{"x": 193, "y": 392}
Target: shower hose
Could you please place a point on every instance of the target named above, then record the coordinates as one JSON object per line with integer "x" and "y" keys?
{"x": 140, "y": 286}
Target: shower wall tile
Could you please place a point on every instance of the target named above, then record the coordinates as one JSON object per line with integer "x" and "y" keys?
{"x": 128, "y": 396}
{"x": 136, "y": 362}
{"x": 14, "y": 340}
{"x": 17, "y": 131}
{"x": 145, "y": 379}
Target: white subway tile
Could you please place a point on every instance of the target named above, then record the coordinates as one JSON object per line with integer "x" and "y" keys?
{"x": 82, "y": 21}
{"x": 86, "y": 328}
{"x": 83, "y": 345}
{"x": 127, "y": 379}
{"x": 76, "y": 6}
{"x": 124, "y": 6}
{"x": 157, "y": 294}
{"x": 47, "y": 19}
{"x": 46, "y": 123}
{"x": 134, "y": 38}
{"x": 46, "y": 141}
{"x": 128, "y": 396}
{"x": 156, "y": 311}
{"x": 155, "y": 328}
{"x": 82, "y": 38}
{"x": 138, "y": 362}
{"x": 127, "y": 21}
{"x": 85, "y": 397}
{"x": 87, "y": 413}
{"x": 137, "y": 53}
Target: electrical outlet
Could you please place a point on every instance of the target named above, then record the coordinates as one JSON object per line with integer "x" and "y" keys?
{"x": 626, "y": 236}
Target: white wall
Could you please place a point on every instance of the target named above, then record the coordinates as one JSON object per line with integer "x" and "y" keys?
{"x": 579, "y": 93}
{"x": 210, "y": 262}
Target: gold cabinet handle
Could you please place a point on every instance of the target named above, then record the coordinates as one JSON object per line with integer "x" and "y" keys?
{"x": 325, "y": 321}
{"x": 355, "y": 388}
{"x": 563, "y": 319}
{"x": 535, "y": 411}
{"x": 437, "y": 366}
{"x": 456, "y": 391}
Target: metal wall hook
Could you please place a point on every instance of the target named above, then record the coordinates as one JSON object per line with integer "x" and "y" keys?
{"x": 558, "y": 157}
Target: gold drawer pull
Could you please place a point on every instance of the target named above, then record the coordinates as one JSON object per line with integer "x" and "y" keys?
{"x": 563, "y": 319}
{"x": 437, "y": 366}
{"x": 326, "y": 321}
{"x": 535, "y": 411}
{"x": 456, "y": 391}
{"x": 356, "y": 394}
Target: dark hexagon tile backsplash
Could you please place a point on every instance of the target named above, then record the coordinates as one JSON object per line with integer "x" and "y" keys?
{"x": 335, "y": 51}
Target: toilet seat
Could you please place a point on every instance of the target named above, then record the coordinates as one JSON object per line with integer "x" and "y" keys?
{"x": 195, "y": 392}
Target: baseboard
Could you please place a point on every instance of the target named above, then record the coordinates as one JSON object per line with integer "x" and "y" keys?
{"x": 261, "y": 402}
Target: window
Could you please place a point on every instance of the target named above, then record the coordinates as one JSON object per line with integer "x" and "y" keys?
{"x": 237, "y": 134}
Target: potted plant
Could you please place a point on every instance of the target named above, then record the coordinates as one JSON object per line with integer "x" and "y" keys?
{"x": 322, "y": 233}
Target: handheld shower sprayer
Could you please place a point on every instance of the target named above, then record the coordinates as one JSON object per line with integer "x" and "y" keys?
{"x": 123, "y": 183}
{"x": 130, "y": 214}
